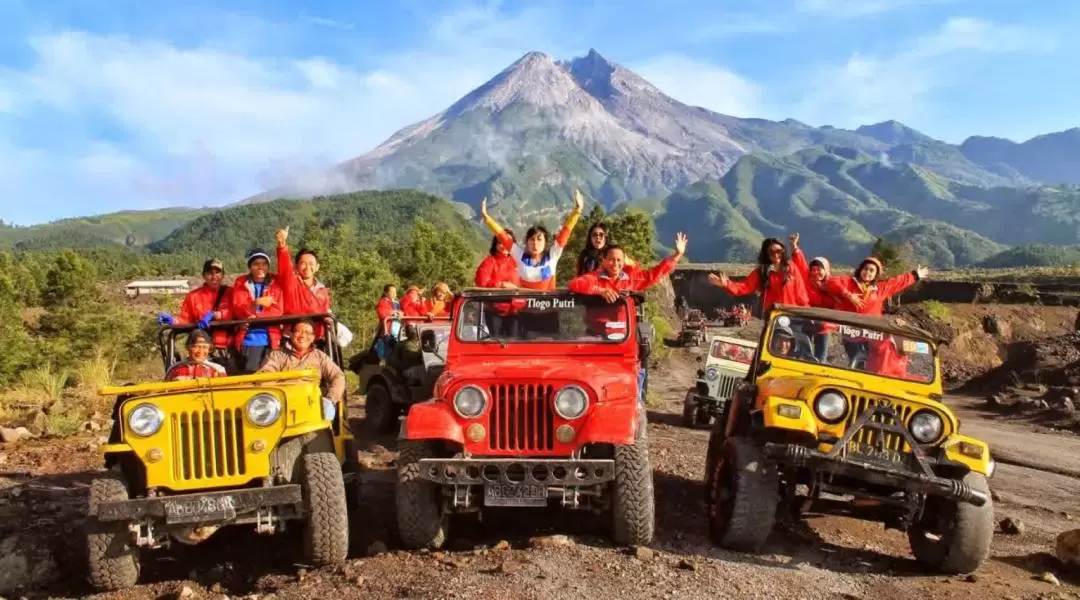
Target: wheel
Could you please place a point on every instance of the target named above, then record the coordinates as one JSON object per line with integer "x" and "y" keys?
{"x": 716, "y": 442}
{"x": 745, "y": 494}
{"x": 112, "y": 560}
{"x": 326, "y": 532}
{"x": 379, "y": 410}
{"x": 421, "y": 520}
{"x": 689, "y": 410}
{"x": 954, "y": 537}
{"x": 634, "y": 506}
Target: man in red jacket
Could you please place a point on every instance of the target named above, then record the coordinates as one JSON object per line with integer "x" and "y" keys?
{"x": 611, "y": 279}
{"x": 206, "y": 303}
{"x": 256, "y": 295}
{"x": 303, "y": 294}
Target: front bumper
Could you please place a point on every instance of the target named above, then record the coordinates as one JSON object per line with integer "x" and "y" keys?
{"x": 203, "y": 508}
{"x": 910, "y": 472}
{"x": 518, "y": 481}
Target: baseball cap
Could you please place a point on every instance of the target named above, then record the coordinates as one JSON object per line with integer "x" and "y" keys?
{"x": 212, "y": 263}
{"x": 196, "y": 336}
{"x": 257, "y": 253}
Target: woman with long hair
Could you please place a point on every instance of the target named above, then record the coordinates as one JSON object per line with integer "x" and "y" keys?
{"x": 775, "y": 278}
{"x": 591, "y": 257}
{"x": 540, "y": 256}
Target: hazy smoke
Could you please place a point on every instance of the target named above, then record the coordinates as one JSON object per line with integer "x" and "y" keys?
{"x": 884, "y": 158}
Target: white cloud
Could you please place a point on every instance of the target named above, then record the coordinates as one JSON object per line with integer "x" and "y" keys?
{"x": 703, "y": 84}
{"x": 866, "y": 89}
{"x": 202, "y": 124}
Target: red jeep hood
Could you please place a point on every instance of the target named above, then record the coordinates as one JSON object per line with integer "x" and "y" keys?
{"x": 594, "y": 372}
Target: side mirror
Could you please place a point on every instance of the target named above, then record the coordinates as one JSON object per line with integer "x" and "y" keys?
{"x": 427, "y": 341}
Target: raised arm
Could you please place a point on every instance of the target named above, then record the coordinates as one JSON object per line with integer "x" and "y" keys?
{"x": 644, "y": 279}
{"x": 751, "y": 284}
{"x": 495, "y": 228}
{"x": 798, "y": 258}
{"x": 286, "y": 274}
{"x": 563, "y": 237}
{"x": 895, "y": 285}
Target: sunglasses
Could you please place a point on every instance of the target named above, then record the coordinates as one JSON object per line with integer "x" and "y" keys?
{"x": 598, "y": 234}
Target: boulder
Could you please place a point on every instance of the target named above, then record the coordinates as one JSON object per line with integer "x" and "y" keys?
{"x": 1067, "y": 547}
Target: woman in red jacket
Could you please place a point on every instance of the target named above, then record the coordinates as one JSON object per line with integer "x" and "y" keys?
{"x": 864, "y": 293}
{"x": 815, "y": 275}
{"x": 499, "y": 270}
{"x": 775, "y": 277}
{"x": 438, "y": 305}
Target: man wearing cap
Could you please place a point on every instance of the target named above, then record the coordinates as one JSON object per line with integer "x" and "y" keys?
{"x": 256, "y": 295}
{"x": 198, "y": 363}
{"x": 206, "y": 303}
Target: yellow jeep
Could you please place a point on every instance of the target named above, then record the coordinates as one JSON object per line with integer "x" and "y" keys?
{"x": 862, "y": 433}
{"x": 188, "y": 457}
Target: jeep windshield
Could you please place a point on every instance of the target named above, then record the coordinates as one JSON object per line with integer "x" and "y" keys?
{"x": 561, "y": 318}
{"x": 734, "y": 352}
{"x": 852, "y": 347}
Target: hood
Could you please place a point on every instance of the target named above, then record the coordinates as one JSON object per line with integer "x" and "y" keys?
{"x": 595, "y": 373}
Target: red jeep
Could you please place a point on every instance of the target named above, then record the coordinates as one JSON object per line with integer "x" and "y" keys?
{"x": 540, "y": 402}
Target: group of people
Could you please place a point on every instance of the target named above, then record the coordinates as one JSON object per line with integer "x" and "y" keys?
{"x": 788, "y": 278}
{"x": 215, "y": 351}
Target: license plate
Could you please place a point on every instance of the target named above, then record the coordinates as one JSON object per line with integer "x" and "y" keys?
{"x": 515, "y": 494}
{"x": 200, "y": 509}
{"x": 876, "y": 454}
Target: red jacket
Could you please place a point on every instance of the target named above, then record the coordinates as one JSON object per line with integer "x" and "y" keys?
{"x": 384, "y": 309}
{"x": 299, "y": 298}
{"x": 190, "y": 370}
{"x": 782, "y": 287}
{"x": 497, "y": 269}
{"x": 874, "y": 295}
{"x": 412, "y": 305}
{"x": 637, "y": 280}
{"x": 817, "y": 296}
{"x": 884, "y": 359}
{"x": 200, "y": 301}
{"x": 438, "y": 309}
{"x": 243, "y": 307}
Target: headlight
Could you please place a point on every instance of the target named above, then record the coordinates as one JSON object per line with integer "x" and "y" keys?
{"x": 329, "y": 409}
{"x": 571, "y": 402}
{"x": 830, "y": 406}
{"x": 263, "y": 410}
{"x": 926, "y": 427}
{"x": 711, "y": 374}
{"x": 470, "y": 401}
{"x": 145, "y": 420}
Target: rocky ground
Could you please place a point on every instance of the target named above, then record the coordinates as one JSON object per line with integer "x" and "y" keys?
{"x": 564, "y": 555}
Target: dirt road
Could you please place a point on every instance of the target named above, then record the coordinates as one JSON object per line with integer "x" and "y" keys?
{"x": 40, "y": 516}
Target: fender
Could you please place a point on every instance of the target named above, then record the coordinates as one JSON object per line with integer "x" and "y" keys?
{"x": 431, "y": 420}
{"x": 615, "y": 423}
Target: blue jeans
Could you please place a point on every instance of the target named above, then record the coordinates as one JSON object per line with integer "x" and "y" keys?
{"x": 641, "y": 385}
{"x": 821, "y": 347}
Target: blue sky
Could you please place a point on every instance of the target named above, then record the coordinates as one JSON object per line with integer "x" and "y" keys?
{"x": 116, "y": 105}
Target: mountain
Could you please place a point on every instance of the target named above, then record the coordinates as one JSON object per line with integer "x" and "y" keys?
{"x": 1050, "y": 158}
{"x": 133, "y": 229}
{"x": 231, "y": 232}
{"x": 840, "y": 200}
{"x": 541, "y": 127}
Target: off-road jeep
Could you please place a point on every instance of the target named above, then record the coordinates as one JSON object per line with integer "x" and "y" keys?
{"x": 188, "y": 457}
{"x": 539, "y": 402}
{"x": 725, "y": 367}
{"x": 864, "y": 435}
{"x": 388, "y": 388}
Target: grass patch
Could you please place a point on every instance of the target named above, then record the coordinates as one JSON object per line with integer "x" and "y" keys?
{"x": 44, "y": 381}
{"x": 937, "y": 310}
{"x": 63, "y": 421}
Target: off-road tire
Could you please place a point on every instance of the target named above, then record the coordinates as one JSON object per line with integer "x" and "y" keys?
{"x": 379, "y": 411}
{"x": 326, "y": 531}
{"x": 633, "y": 507}
{"x": 689, "y": 411}
{"x": 964, "y": 545}
{"x": 421, "y": 521}
{"x": 712, "y": 453}
{"x": 751, "y": 486}
{"x": 112, "y": 561}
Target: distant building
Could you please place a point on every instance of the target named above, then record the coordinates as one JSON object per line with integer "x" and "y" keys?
{"x": 142, "y": 288}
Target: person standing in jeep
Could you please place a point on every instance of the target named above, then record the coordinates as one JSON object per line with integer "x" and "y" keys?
{"x": 775, "y": 278}
{"x": 206, "y": 303}
{"x": 303, "y": 294}
{"x": 256, "y": 295}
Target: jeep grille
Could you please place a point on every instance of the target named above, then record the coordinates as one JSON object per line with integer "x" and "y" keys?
{"x": 867, "y": 436}
{"x": 208, "y": 444}
{"x": 726, "y": 388}
{"x": 522, "y": 418}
